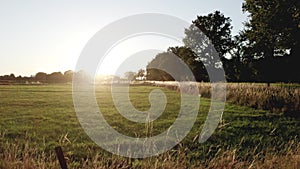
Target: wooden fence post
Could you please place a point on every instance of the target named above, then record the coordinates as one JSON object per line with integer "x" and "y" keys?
{"x": 61, "y": 158}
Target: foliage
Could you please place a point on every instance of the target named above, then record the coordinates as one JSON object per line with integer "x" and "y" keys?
{"x": 155, "y": 67}
{"x": 40, "y": 77}
{"x": 214, "y": 28}
{"x": 273, "y": 37}
{"x": 266, "y": 50}
{"x": 130, "y": 75}
{"x": 140, "y": 75}
{"x": 207, "y": 39}
{"x": 166, "y": 61}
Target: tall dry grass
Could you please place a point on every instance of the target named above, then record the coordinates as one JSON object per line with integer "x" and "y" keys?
{"x": 27, "y": 156}
{"x": 275, "y": 99}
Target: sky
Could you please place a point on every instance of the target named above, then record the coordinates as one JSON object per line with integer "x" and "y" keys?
{"x": 48, "y": 36}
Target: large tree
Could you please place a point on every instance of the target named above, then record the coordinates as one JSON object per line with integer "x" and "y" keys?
{"x": 155, "y": 68}
{"x": 273, "y": 34}
{"x": 166, "y": 61}
{"x": 191, "y": 60}
{"x": 213, "y": 29}
{"x": 209, "y": 37}
{"x": 206, "y": 40}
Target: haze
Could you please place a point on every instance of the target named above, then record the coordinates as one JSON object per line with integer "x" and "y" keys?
{"x": 48, "y": 36}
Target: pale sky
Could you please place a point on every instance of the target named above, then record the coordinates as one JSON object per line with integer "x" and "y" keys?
{"x": 48, "y": 36}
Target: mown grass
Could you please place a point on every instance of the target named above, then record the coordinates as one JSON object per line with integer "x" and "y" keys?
{"x": 35, "y": 119}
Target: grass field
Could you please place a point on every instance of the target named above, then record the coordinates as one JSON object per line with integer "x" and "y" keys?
{"x": 35, "y": 119}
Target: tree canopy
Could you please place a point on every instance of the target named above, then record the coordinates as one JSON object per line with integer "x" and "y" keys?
{"x": 206, "y": 40}
{"x": 267, "y": 49}
{"x": 273, "y": 35}
{"x": 214, "y": 28}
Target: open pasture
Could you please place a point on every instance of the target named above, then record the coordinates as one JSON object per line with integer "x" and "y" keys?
{"x": 36, "y": 119}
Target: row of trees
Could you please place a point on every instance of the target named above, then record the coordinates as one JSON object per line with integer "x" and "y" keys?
{"x": 139, "y": 75}
{"x": 41, "y": 77}
{"x": 67, "y": 77}
{"x": 266, "y": 50}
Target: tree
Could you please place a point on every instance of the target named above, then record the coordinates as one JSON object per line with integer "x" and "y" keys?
{"x": 156, "y": 68}
{"x": 207, "y": 39}
{"x": 12, "y": 76}
{"x": 68, "y": 75}
{"x": 41, "y": 77}
{"x": 241, "y": 66}
{"x": 210, "y": 39}
{"x": 190, "y": 58}
{"x": 214, "y": 28}
{"x": 166, "y": 67}
{"x": 140, "y": 75}
{"x": 130, "y": 75}
{"x": 55, "y": 77}
{"x": 273, "y": 32}
{"x": 82, "y": 76}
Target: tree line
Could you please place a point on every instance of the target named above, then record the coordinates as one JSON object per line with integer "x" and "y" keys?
{"x": 267, "y": 49}
{"x": 41, "y": 77}
{"x": 67, "y": 77}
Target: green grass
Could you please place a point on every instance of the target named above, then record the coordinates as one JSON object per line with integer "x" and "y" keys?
{"x": 38, "y": 118}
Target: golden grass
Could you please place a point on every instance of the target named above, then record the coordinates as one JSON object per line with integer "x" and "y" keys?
{"x": 25, "y": 157}
{"x": 275, "y": 98}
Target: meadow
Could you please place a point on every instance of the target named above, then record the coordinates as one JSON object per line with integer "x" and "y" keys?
{"x": 34, "y": 119}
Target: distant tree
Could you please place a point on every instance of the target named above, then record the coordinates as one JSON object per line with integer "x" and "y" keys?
{"x": 41, "y": 77}
{"x": 130, "y": 75}
{"x": 5, "y": 77}
{"x": 68, "y": 75}
{"x": 116, "y": 78}
{"x": 83, "y": 77}
{"x": 140, "y": 75}
{"x": 55, "y": 77}
{"x": 19, "y": 79}
{"x": 12, "y": 76}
